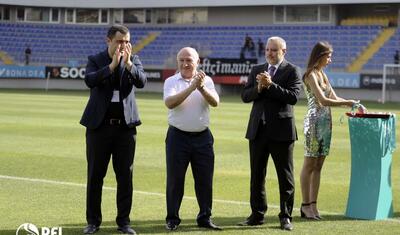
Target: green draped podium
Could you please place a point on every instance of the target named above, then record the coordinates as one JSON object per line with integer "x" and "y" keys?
{"x": 373, "y": 141}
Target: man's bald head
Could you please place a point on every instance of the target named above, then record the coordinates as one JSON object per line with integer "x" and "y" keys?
{"x": 188, "y": 61}
{"x": 188, "y": 51}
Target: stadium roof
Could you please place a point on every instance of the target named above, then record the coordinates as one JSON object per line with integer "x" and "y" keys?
{"x": 176, "y": 3}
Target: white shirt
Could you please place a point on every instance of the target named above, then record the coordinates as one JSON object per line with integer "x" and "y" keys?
{"x": 193, "y": 113}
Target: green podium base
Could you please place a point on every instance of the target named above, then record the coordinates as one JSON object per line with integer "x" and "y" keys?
{"x": 370, "y": 195}
{"x": 372, "y": 144}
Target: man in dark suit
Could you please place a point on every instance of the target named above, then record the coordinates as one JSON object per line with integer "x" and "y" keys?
{"x": 271, "y": 129}
{"x": 111, "y": 117}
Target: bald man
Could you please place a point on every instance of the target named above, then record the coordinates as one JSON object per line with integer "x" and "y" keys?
{"x": 188, "y": 95}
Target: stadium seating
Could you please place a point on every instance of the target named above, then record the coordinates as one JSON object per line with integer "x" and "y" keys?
{"x": 385, "y": 55}
{"x": 55, "y": 44}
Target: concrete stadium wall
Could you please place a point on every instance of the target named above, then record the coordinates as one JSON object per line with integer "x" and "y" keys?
{"x": 250, "y": 15}
{"x": 177, "y": 3}
{"x": 240, "y": 15}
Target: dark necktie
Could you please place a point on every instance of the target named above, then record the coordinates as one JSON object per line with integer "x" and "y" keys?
{"x": 271, "y": 71}
{"x": 117, "y": 76}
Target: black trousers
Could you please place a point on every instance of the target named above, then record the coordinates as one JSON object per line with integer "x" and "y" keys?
{"x": 101, "y": 143}
{"x": 282, "y": 155}
{"x": 183, "y": 148}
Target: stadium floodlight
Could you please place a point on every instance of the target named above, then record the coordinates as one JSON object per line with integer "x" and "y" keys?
{"x": 392, "y": 71}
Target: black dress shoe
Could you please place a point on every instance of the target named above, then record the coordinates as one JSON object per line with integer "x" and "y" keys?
{"x": 171, "y": 226}
{"x": 126, "y": 229}
{"x": 286, "y": 224}
{"x": 91, "y": 229}
{"x": 208, "y": 224}
{"x": 252, "y": 221}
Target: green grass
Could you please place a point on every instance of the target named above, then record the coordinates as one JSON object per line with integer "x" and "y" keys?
{"x": 41, "y": 138}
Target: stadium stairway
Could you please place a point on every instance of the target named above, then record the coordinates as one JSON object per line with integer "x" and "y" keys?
{"x": 370, "y": 50}
{"x": 145, "y": 41}
{"x": 385, "y": 55}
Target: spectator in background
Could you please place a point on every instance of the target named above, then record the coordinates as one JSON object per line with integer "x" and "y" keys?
{"x": 110, "y": 118}
{"x": 195, "y": 19}
{"x": 247, "y": 41}
{"x": 248, "y": 49}
{"x": 188, "y": 95}
{"x": 261, "y": 48}
{"x": 28, "y": 53}
{"x": 242, "y": 54}
{"x": 396, "y": 57}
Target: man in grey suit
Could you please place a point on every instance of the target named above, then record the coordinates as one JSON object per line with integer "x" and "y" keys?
{"x": 271, "y": 129}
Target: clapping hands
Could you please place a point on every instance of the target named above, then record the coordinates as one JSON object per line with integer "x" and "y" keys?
{"x": 263, "y": 81}
{"x": 198, "y": 80}
{"x": 124, "y": 54}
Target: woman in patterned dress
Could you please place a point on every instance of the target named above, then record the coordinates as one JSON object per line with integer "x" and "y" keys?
{"x": 317, "y": 125}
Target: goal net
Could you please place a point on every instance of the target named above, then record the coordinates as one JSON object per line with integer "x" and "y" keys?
{"x": 390, "y": 80}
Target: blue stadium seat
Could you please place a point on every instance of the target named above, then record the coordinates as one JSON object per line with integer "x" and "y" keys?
{"x": 57, "y": 44}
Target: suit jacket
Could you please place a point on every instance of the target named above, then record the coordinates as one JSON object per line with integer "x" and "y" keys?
{"x": 99, "y": 77}
{"x": 276, "y": 102}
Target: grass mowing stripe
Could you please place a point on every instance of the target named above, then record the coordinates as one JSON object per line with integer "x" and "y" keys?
{"x": 147, "y": 193}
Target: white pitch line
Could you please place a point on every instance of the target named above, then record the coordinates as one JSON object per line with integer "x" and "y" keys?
{"x": 148, "y": 193}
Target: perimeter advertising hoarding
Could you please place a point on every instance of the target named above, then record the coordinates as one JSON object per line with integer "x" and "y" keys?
{"x": 65, "y": 72}
{"x": 15, "y": 71}
{"x": 154, "y": 74}
{"x": 236, "y": 71}
{"x": 227, "y": 71}
{"x": 374, "y": 81}
{"x": 344, "y": 80}
{"x": 79, "y": 73}
{"x": 227, "y": 67}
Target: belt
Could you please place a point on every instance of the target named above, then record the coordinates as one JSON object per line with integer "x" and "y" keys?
{"x": 189, "y": 132}
{"x": 113, "y": 121}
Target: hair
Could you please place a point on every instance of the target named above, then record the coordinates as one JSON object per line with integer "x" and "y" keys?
{"x": 117, "y": 28}
{"x": 281, "y": 42}
{"x": 191, "y": 50}
{"x": 318, "y": 52}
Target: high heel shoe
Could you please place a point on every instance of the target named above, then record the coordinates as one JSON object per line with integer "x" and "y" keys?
{"x": 303, "y": 215}
{"x": 316, "y": 216}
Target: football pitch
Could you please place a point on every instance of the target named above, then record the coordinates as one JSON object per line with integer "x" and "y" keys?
{"x": 43, "y": 170}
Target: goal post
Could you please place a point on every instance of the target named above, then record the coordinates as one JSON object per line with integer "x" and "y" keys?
{"x": 391, "y": 71}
